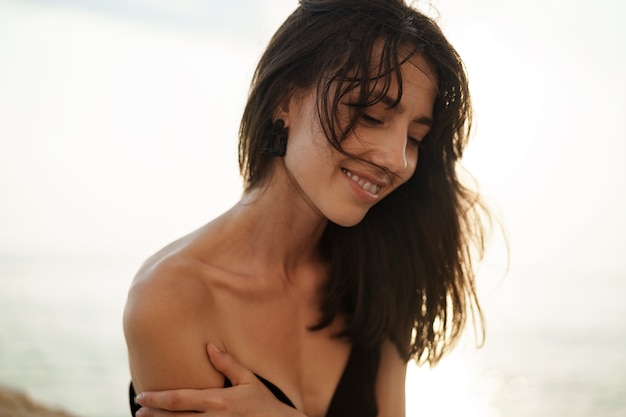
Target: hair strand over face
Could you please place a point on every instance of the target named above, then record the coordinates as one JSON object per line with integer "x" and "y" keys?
{"x": 405, "y": 272}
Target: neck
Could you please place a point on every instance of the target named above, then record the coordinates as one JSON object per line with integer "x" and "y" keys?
{"x": 275, "y": 229}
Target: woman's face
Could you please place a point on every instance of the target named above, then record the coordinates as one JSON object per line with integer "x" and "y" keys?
{"x": 383, "y": 149}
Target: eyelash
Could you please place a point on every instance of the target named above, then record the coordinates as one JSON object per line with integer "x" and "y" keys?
{"x": 369, "y": 119}
{"x": 418, "y": 143}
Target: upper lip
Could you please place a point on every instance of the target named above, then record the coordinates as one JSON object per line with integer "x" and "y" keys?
{"x": 379, "y": 180}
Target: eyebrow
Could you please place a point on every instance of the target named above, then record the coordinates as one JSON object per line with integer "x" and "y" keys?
{"x": 392, "y": 103}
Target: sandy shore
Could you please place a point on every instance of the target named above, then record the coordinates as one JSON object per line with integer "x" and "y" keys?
{"x": 15, "y": 403}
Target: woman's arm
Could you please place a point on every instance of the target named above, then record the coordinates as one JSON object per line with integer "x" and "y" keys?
{"x": 167, "y": 327}
{"x": 390, "y": 383}
{"x": 247, "y": 397}
{"x": 168, "y": 324}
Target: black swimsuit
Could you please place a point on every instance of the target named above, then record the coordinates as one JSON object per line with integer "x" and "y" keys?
{"x": 354, "y": 396}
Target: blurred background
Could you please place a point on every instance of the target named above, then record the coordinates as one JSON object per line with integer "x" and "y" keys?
{"x": 118, "y": 132}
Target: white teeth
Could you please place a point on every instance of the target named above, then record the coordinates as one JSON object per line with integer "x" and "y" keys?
{"x": 366, "y": 185}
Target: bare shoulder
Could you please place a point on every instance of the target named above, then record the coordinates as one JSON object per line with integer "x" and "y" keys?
{"x": 168, "y": 321}
{"x": 168, "y": 285}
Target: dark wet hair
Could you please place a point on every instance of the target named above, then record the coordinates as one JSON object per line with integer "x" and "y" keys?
{"x": 405, "y": 271}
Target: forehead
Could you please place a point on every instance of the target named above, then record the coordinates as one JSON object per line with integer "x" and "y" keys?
{"x": 417, "y": 67}
{"x": 384, "y": 67}
{"x": 386, "y": 73}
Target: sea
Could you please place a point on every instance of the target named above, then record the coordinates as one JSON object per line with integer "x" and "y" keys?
{"x": 554, "y": 347}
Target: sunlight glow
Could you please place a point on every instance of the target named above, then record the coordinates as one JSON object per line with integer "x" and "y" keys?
{"x": 454, "y": 387}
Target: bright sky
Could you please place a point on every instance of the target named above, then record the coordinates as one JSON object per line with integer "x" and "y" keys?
{"x": 118, "y": 119}
{"x": 118, "y": 122}
{"x": 116, "y": 131}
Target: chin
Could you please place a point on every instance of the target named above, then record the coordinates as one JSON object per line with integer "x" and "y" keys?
{"x": 348, "y": 219}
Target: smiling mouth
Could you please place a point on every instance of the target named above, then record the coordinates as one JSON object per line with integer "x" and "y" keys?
{"x": 364, "y": 184}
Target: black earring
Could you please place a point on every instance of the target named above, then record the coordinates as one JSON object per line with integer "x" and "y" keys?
{"x": 274, "y": 141}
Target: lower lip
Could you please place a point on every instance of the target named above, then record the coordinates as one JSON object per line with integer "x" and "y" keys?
{"x": 360, "y": 192}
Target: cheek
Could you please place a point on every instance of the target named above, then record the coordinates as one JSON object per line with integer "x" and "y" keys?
{"x": 308, "y": 144}
{"x": 308, "y": 152}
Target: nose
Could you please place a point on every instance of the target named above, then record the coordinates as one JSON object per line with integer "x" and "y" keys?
{"x": 392, "y": 152}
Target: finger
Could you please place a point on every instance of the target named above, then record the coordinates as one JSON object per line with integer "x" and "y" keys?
{"x": 175, "y": 400}
{"x": 226, "y": 364}
{"x": 152, "y": 412}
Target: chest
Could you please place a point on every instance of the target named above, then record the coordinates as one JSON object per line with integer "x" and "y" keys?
{"x": 274, "y": 340}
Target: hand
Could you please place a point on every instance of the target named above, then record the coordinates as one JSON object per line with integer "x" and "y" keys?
{"x": 247, "y": 397}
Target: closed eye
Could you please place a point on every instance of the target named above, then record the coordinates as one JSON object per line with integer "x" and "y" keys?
{"x": 371, "y": 120}
{"x": 416, "y": 142}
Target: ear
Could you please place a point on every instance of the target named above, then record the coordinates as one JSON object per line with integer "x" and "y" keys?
{"x": 283, "y": 110}
{"x": 289, "y": 108}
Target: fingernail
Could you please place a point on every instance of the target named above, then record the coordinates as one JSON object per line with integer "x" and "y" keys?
{"x": 139, "y": 398}
{"x": 215, "y": 348}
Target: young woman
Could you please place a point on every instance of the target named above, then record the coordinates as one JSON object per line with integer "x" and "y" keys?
{"x": 349, "y": 252}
